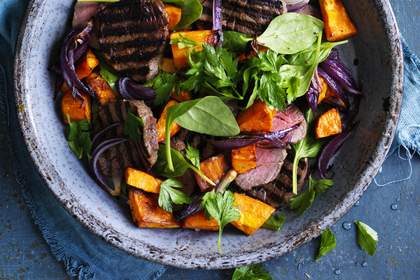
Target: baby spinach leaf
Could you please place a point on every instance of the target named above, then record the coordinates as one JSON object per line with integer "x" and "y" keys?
{"x": 191, "y": 11}
{"x": 291, "y": 33}
{"x": 328, "y": 243}
{"x": 78, "y": 138}
{"x": 236, "y": 42}
{"x": 220, "y": 207}
{"x": 367, "y": 238}
{"x": 251, "y": 272}
{"x": 275, "y": 222}
{"x": 170, "y": 193}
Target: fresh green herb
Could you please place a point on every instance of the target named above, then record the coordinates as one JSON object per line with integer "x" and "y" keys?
{"x": 291, "y": 33}
{"x": 193, "y": 155}
{"x": 212, "y": 70}
{"x": 328, "y": 243}
{"x": 181, "y": 165}
{"x": 367, "y": 238}
{"x": 306, "y": 148}
{"x": 275, "y": 222}
{"x": 305, "y": 199}
{"x": 183, "y": 42}
{"x": 207, "y": 115}
{"x": 251, "y": 272}
{"x": 236, "y": 42}
{"x": 306, "y": 57}
{"x": 191, "y": 11}
{"x": 107, "y": 74}
{"x": 78, "y": 138}
{"x": 220, "y": 207}
{"x": 163, "y": 84}
{"x": 170, "y": 194}
{"x": 132, "y": 127}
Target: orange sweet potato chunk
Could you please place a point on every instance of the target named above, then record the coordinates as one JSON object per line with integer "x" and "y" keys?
{"x": 102, "y": 89}
{"x": 200, "y": 221}
{"x": 214, "y": 168}
{"x": 257, "y": 118}
{"x": 161, "y": 124}
{"x": 254, "y": 213}
{"x": 142, "y": 180}
{"x": 181, "y": 96}
{"x": 85, "y": 67}
{"x": 174, "y": 16}
{"x": 337, "y": 23}
{"x": 167, "y": 65}
{"x": 244, "y": 158}
{"x": 75, "y": 109}
{"x": 328, "y": 124}
{"x": 146, "y": 212}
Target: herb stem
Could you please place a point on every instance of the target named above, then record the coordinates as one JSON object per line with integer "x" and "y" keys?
{"x": 226, "y": 180}
{"x": 202, "y": 175}
{"x": 219, "y": 241}
{"x": 294, "y": 173}
{"x": 168, "y": 145}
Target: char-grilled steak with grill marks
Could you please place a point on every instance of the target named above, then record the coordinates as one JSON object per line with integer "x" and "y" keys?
{"x": 131, "y": 34}
{"x": 247, "y": 16}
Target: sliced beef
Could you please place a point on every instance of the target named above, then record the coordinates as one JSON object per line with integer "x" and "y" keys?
{"x": 280, "y": 191}
{"x": 131, "y": 35}
{"x": 290, "y": 117}
{"x": 83, "y": 13}
{"x": 247, "y": 16}
{"x": 269, "y": 164}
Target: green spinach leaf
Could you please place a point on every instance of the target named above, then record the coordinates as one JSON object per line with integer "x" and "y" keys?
{"x": 78, "y": 138}
{"x": 291, "y": 33}
{"x": 328, "y": 243}
{"x": 132, "y": 127}
{"x": 191, "y": 11}
{"x": 220, "y": 207}
{"x": 367, "y": 238}
{"x": 251, "y": 272}
{"x": 236, "y": 42}
{"x": 275, "y": 222}
{"x": 170, "y": 193}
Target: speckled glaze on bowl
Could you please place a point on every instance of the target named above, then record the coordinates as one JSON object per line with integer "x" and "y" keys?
{"x": 378, "y": 51}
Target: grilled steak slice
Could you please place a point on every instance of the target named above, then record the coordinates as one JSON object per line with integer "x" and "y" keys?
{"x": 131, "y": 34}
{"x": 280, "y": 191}
{"x": 290, "y": 117}
{"x": 269, "y": 163}
{"x": 247, "y": 16}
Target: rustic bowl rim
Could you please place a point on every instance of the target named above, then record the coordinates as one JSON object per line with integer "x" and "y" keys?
{"x": 312, "y": 229}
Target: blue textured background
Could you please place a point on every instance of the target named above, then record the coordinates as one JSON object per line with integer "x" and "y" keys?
{"x": 24, "y": 254}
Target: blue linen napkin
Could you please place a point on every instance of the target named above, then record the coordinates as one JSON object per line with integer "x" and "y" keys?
{"x": 85, "y": 255}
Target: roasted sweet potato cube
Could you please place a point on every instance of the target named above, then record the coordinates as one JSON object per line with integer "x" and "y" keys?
{"x": 146, "y": 212}
{"x": 337, "y": 23}
{"x": 254, "y": 213}
{"x": 328, "y": 124}
{"x": 167, "y": 65}
{"x": 161, "y": 124}
{"x": 86, "y": 65}
{"x": 180, "y": 55}
{"x": 174, "y": 16}
{"x": 141, "y": 180}
{"x": 181, "y": 96}
{"x": 214, "y": 168}
{"x": 200, "y": 221}
{"x": 324, "y": 90}
{"x": 75, "y": 109}
{"x": 102, "y": 89}
{"x": 257, "y": 118}
{"x": 244, "y": 158}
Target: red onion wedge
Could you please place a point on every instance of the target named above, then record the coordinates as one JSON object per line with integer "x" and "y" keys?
{"x": 131, "y": 90}
{"x": 217, "y": 21}
{"x": 98, "y": 136}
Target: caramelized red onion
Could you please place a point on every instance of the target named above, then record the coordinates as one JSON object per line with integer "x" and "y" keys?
{"x": 217, "y": 21}
{"x": 98, "y": 136}
{"x": 74, "y": 47}
{"x": 131, "y": 90}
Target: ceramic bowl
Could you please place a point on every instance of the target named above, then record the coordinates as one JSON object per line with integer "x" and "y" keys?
{"x": 376, "y": 51}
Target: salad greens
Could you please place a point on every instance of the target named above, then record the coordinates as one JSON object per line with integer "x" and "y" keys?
{"x": 304, "y": 200}
{"x": 193, "y": 155}
{"x": 367, "y": 238}
{"x": 207, "y": 115}
{"x": 191, "y": 11}
{"x": 275, "y": 222}
{"x": 170, "y": 193}
{"x": 327, "y": 244}
{"x": 183, "y": 42}
{"x": 236, "y": 42}
{"x": 251, "y": 272}
{"x": 163, "y": 84}
{"x": 107, "y": 74}
{"x": 132, "y": 126}
{"x": 220, "y": 207}
{"x": 291, "y": 33}
{"x": 78, "y": 138}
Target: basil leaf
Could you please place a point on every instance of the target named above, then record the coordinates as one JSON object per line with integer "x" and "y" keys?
{"x": 191, "y": 11}
{"x": 236, "y": 42}
{"x": 132, "y": 127}
{"x": 291, "y": 33}
{"x": 79, "y": 139}
{"x": 328, "y": 243}
{"x": 220, "y": 207}
{"x": 251, "y": 272}
{"x": 170, "y": 194}
{"x": 367, "y": 238}
{"x": 193, "y": 155}
{"x": 275, "y": 222}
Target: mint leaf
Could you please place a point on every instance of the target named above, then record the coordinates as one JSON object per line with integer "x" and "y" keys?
{"x": 367, "y": 238}
{"x": 275, "y": 222}
{"x": 170, "y": 194}
{"x": 328, "y": 243}
{"x": 251, "y": 272}
{"x": 220, "y": 207}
